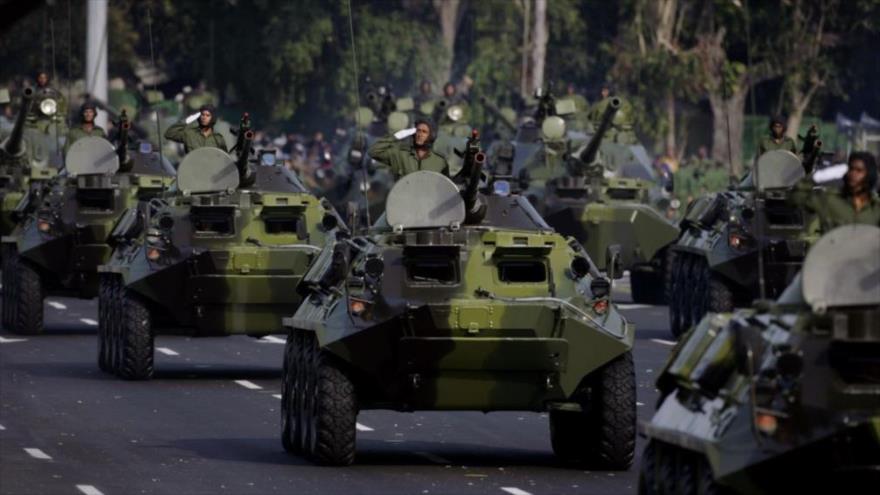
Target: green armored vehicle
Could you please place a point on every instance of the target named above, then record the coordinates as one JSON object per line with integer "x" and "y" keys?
{"x": 28, "y": 161}
{"x": 220, "y": 254}
{"x": 725, "y": 235}
{"x": 56, "y": 250}
{"x": 572, "y": 189}
{"x": 458, "y": 301}
{"x": 783, "y": 397}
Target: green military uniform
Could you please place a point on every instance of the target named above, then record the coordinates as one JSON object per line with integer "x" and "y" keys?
{"x": 80, "y": 132}
{"x": 833, "y": 208}
{"x": 770, "y": 144}
{"x": 192, "y": 138}
{"x": 401, "y": 157}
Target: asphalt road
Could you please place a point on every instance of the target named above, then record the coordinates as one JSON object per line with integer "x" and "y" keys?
{"x": 209, "y": 423}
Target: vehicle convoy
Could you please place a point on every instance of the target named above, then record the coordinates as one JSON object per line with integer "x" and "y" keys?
{"x": 56, "y": 250}
{"x": 781, "y": 397}
{"x": 219, "y": 254}
{"x": 570, "y": 189}
{"x": 725, "y": 236}
{"x": 28, "y": 161}
{"x": 456, "y": 300}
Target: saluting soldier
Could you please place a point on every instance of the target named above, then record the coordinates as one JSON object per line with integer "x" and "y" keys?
{"x": 86, "y": 127}
{"x": 855, "y": 202}
{"x": 777, "y": 140}
{"x": 405, "y": 156}
{"x": 197, "y": 131}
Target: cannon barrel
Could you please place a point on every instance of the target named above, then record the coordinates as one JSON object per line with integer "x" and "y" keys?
{"x": 496, "y": 112}
{"x": 116, "y": 114}
{"x": 589, "y": 154}
{"x": 14, "y": 143}
{"x": 245, "y": 143}
{"x": 122, "y": 146}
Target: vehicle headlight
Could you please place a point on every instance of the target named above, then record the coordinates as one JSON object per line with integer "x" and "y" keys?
{"x": 48, "y": 107}
{"x": 455, "y": 113}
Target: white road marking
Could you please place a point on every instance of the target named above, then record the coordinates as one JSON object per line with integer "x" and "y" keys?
{"x": 436, "y": 459}
{"x": 89, "y": 490}
{"x": 664, "y": 342}
{"x": 633, "y": 306}
{"x": 271, "y": 339}
{"x": 512, "y": 490}
{"x": 248, "y": 384}
{"x": 89, "y": 321}
{"x": 2, "y": 427}
{"x": 361, "y": 427}
{"x": 640, "y": 404}
{"x": 167, "y": 351}
{"x": 56, "y": 305}
{"x": 4, "y": 340}
{"x": 38, "y": 454}
{"x": 277, "y": 396}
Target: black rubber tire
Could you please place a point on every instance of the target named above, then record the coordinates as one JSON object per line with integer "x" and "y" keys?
{"x": 28, "y": 294}
{"x": 667, "y": 472}
{"x": 612, "y": 415}
{"x": 721, "y": 298}
{"x": 648, "y": 470}
{"x": 8, "y": 310}
{"x": 136, "y": 340}
{"x": 105, "y": 346}
{"x": 675, "y": 295}
{"x": 701, "y": 276}
{"x": 706, "y": 479}
{"x": 686, "y": 278}
{"x": 291, "y": 430}
{"x": 688, "y": 473}
{"x": 333, "y": 407}
{"x": 668, "y": 274}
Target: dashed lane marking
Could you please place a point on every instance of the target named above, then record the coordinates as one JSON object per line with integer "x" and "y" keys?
{"x": 89, "y": 490}
{"x": 38, "y": 454}
{"x": 640, "y": 404}
{"x": 2, "y": 427}
{"x": 56, "y": 305}
{"x": 634, "y": 306}
{"x": 663, "y": 342}
{"x": 248, "y": 384}
{"x": 436, "y": 459}
{"x": 277, "y": 396}
{"x": 167, "y": 351}
{"x": 361, "y": 427}
{"x": 271, "y": 339}
{"x": 89, "y": 321}
{"x": 512, "y": 490}
{"x": 4, "y": 340}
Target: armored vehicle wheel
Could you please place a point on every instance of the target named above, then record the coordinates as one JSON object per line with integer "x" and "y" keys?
{"x": 676, "y": 296}
{"x": 647, "y": 285}
{"x": 114, "y": 317}
{"x": 720, "y": 295}
{"x": 8, "y": 298}
{"x": 136, "y": 340}
{"x": 291, "y": 394}
{"x": 699, "y": 304}
{"x": 27, "y": 294}
{"x": 648, "y": 471}
{"x": 105, "y": 351}
{"x": 604, "y": 436}
{"x": 330, "y": 408}
{"x": 689, "y": 296}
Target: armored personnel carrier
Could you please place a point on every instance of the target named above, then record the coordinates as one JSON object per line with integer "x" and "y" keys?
{"x": 726, "y": 235}
{"x": 56, "y": 250}
{"x": 576, "y": 197}
{"x": 783, "y": 397}
{"x": 28, "y": 161}
{"x": 459, "y": 301}
{"x": 221, "y": 254}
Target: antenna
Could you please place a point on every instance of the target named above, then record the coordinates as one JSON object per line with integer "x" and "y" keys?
{"x": 153, "y": 64}
{"x": 69, "y": 58}
{"x": 357, "y": 99}
{"x": 759, "y": 201}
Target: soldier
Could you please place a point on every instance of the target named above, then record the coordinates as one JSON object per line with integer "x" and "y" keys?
{"x": 426, "y": 93}
{"x": 43, "y": 91}
{"x": 855, "y": 202}
{"x": 598, "y": 108}
{"x": 197, "y": 131}
{"x": 406, "y": 156}
{"x": 87, "y": 126}
{"x": 777, "y": 140}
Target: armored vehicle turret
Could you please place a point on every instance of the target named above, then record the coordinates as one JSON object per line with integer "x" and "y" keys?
{"x": 220, "y": 254}
{"x": 726, "y": 236}
{"x": 575, "y": 195}
{"x": 783, "y": 397}
{"x": 456, "y": 300}
{"x": 55, "y": 250}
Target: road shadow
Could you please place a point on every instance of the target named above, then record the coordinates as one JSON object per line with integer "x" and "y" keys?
{"x": 191, "y": 372}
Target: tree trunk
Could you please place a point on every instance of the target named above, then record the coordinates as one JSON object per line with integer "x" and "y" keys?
{"x": 670, "y": 122}
{"x": 539, "y": 45}
{"x": 728, "y": 118}
{"x": 524, "y": 76}
{"x": 447, "y": 11}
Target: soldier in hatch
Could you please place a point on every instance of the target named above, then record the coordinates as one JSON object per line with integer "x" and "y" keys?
{"x": 777, "y": 140}
{"x": 86, "y": 127}
{"x": 197, "y": 131}
{"x": 855, "y": 202}
{"x": 405, "y": 156}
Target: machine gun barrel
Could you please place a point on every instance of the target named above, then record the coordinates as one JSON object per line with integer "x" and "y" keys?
{"x": 589, "y": 154}
{"x": 116, "y": 114}
{"x": 496, "y": 112}
{"x": 439, "y": 108}
{"x": 244, "y": 145}
{"x": 13, "y": 145}
{"x": 122, "y": 146}
{"x": 811, "y": 149}
{"x": 472, "y": 170}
